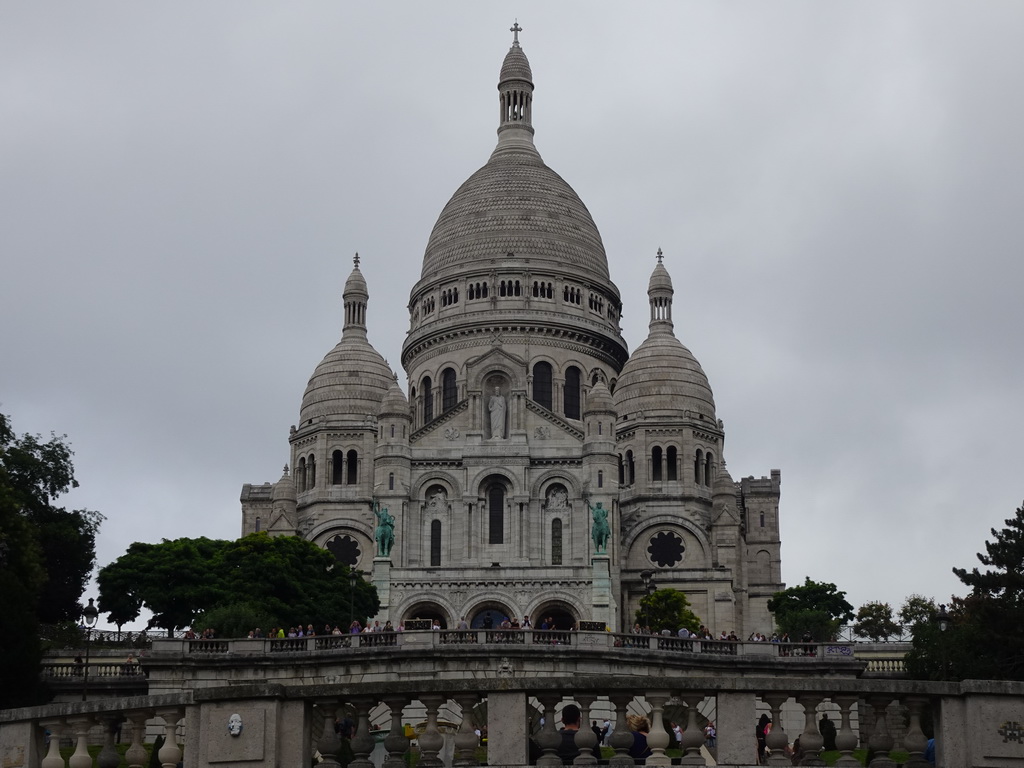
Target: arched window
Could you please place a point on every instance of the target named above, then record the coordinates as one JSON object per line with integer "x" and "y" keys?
{"x": 352, "y": 467}
{"x": 571, "y": 402}
{"x": 632, "y": 467}
{"x": 542, "y": 384}
{"x": 259, "y": 525}
{"x": 392, "y": 430}
{"x": 435, "y": 543}
{"x": 337, "y": 468}
{"x": 622, "y": 471}
{"x": 496, "y": 514}
{"x": 300, "y": 475}
{"x": 311, "y": 471}
{"x": 698, "y": 466}
{"x": 391, "y": 481}
{"x": 600, "y": 478}
{"x": 428, "y": 400}
{"x": 449, "y": 392}
{"x": 656, "y": 463}
{"x": 672, "y": 459}
{"x": 762, "y": 518}
{"x": 556, "y": 542}
{"x": 709, "y": 467}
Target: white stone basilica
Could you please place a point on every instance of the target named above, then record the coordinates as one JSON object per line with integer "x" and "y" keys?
{"x": 524, "y": 412}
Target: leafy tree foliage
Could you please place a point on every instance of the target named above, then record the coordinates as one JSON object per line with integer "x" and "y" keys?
{"x": 288, "y": 579}
{"x": 818, "y": 608}
{"x": 917, "y": 609}
{"x": 46, "y": 554}
{"x": 667, "y": 609}
{"x": 875, "y": 621}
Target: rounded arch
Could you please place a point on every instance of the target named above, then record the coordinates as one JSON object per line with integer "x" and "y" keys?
{"x": 551, "y": 476}
{"x": 499, "y": 605}
{"x": 437, "y": 477}
{"x": 487, "y": 475}
{"x": 565, "y": 611}
{"x": 349, "y": 545}
{"x": 492, "y": 368}
{"x": 637, "y": 542}
{"x": 428, "y": 608}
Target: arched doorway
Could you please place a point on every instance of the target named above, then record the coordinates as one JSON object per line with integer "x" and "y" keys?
{"x": 559, "y": 614}
{"x": 489, "y": 615}
{"x": 427, "y": 610}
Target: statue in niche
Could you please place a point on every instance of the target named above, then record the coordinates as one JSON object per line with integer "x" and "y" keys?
{"x": 558, "y": 497}
{"x": 600, "y": 531}
{"x": 496, "y": 407}
{"x": 437, "y": 501}
{"x": 384, "y": 534}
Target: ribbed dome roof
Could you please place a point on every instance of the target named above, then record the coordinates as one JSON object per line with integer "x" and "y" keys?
{"x": 350, "y": 381}
{"x": 599, "y": 399}
{"x": 395, "y": 402}
{"x": 515, "y": 66}
{"x": 660, "y": 279}
{"x": 284, "y": 489}
{"x": 515, "y": 204}
{"x": 663, "y": 374}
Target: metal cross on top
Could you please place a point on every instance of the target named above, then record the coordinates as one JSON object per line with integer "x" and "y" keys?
{"x": 659, "y": 256}
{"x": 356, "y": 260}
{"x": 515, "y": 29}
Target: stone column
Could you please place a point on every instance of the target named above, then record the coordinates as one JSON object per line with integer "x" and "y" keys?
{"x": 53, "y": 758}
{"x": 880, "y": 742}
{"x": 549, "y": 739}
{"x": 506, "y": 712}
{"x": 777, "y": 739}
{"x": 80, "y": 727}
{"x": 362, "y": 742}
{"x": 846, "y": 739}
{"x": 736, "y": 714}
{"x": 381, "y": 580}
{"x": 466, "y": 740}
{"x": 915, "y": 741}
{"x": 136, "y": 755}
{"x": 395, "y": 742}
{"x": 658, "y": 738}
{"x": 693, "y": 734}
{"x": 170, "y": 753}
{"x": 601, "y": 601}
{"x": 811, "y": 741}
{"x": 585, "y": 738}
{"x": 431, "y": 740}
{"x": 329, "y": 743}
{"x": 621, "y": 739}
{"x": 108, "y": 757}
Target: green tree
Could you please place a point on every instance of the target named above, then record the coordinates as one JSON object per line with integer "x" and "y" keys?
{"x": 46, "y": 554}
{"x": 667, "y": 609}
{"x": 916, "y": 609}
{"x": 283, "y": 580}
{"x": 874, "y": 620}
{"x": 818, "y": 608}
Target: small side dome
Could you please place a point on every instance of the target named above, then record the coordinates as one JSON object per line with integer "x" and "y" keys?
{"x": 725, "y": 488}
{"x": 515, "y": 66}
{"x": 284, "y": 489}
{"x": 395, "y": 404}
{"x": 661, "y": 375}
{"x": 660, "y": 279}
{"x": 599, "y": 400}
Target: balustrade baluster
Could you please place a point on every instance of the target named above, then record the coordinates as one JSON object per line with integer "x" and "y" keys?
{"x": 81, "y": 757}
{"x": 621, "y": 739}
{"x": 465, "y": 739}
{"x": 329, "y": 743}
{"x": 108, "y": 757}
{"x": 811, "y": 741}
{"x": 777, "y": 740}
{"x": 915, "y": 742}
{"x": 880, "y": 742}
{"x": 136, "y": 755}
{"x": 431, "y": 741}
{"x": 170, "y": 752}
{"x": 395, "y": 742}
{"x": 846, "y": 739}
{"x": 658, "y": 738}
{"x": 362, "y": 742}
{"x": 53, "y": 758}
{"x": 549, "y": 739}
{"x": 585, "y": 738}
{"x": 693, "y": 734}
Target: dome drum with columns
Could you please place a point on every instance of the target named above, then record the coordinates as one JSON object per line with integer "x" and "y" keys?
{"x": 522, "y": 412}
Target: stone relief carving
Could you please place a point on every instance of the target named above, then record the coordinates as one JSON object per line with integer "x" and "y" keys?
{"x": 505, "y": 668}
{"x": 557, "y": 497}
{"x": 542, "y": 432}
{"x": 438, "y": 500}
{"x": 451, "y": 433}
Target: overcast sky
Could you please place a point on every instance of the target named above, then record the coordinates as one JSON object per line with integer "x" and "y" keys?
{"x": 838, "y": 189}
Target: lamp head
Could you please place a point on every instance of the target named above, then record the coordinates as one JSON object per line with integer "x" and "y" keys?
{"x": 90, "y": 613}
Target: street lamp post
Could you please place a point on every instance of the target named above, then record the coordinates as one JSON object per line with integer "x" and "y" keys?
{"x": 89, "y": 615}
{"x": 647, "y": 577}
{"x": 353, "y": 577}
{"x": 942, "y": 619}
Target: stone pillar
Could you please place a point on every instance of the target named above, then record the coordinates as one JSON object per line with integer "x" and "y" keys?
{"x": 621, "y": 739}
{"x": 693, "y": 734}
{"x": 465, "y": 738}
{"x": 136, "y": 755}
{"x": 53, "y": 758}
{"x": 585, "y": 738}
{"x": 108, "y": 757}
{"x": 846, "y": 739}
{"x": 508, "y": 737}
{"x": 362, "y": 742}
{"x": 880, "y": 742}
{"x": 549, "y": 739}
{"x": 777, "y": 739}
{"x": 811, "y": 741}
{"x": 329, "y": 743}
{"x": 658, "y": 738}
{"x": 431, "y": 739}
{"x": 736, "y": 714}
{"x": 80, "y": 727}
{"x": 395, "y": 742}
{"x": 170, "y": 753}
{"x": 381, "y": 580}
{"x": 601, "y": 602}
{"x": 915, "y": 741}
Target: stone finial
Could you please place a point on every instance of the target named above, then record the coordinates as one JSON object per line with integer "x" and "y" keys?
{"x": 659, "y": 255}
{"x": 515, "y": 29}
{"x": 285, "y": 470}
{"x": 356, "y": 260}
